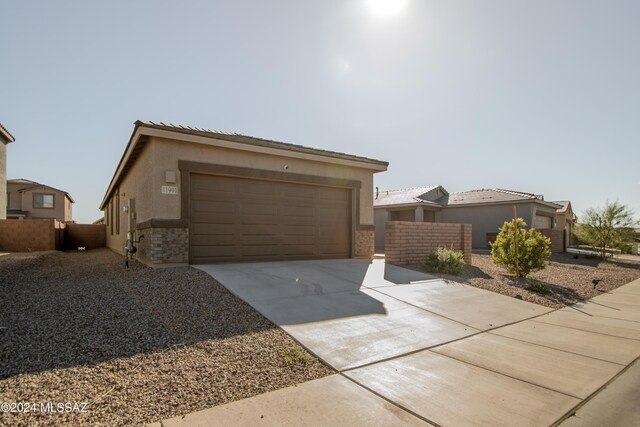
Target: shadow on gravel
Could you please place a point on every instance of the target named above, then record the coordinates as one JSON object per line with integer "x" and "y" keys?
{"x": 591, "y": 261}
{"x": 61, "y": 310}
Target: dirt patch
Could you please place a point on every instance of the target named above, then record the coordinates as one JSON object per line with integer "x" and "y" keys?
{"x": 569, "y": 279}
{"x": 137, "y": 345}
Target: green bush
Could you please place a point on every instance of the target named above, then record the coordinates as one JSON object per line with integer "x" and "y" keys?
{"x": 520, "y": 251}
{"x": 445, "y": 261}
{"x": 537, "y": 286}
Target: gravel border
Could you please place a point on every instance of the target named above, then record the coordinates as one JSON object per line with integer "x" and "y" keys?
{"x": 569, "y": 277}
{"x": 137, "y": 345}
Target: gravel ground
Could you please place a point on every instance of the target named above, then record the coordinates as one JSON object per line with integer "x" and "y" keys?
{"x": 137, "y": 345}
{"x": 569, "y": 279}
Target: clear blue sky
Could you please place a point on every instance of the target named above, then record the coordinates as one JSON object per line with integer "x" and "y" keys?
{"x": 536, "y": 96}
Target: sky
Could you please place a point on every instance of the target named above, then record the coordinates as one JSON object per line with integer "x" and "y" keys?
{"x": 535, "y": 96}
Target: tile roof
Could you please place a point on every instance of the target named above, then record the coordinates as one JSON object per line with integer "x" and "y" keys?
{"x": 237, "y": 137}
{"x": 403, "y": 196}
{"x": 492, "y": 195}
{"x": 6, "y": 134}
{"x": 563, "y": 203}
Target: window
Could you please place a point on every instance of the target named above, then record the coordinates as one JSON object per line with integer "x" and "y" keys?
{"x": 43, "y": 201}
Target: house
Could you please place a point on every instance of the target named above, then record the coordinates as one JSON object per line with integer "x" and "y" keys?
{"x": 566, "y": 220}
{"x": 32, "y": 200}
{"x": 485, "y": 209}
{"x": 5, "y": 139}
{"x": 191, "y": 195}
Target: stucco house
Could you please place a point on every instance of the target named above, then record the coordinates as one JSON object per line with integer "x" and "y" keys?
{"x": 485, "y": 209}
{"x": 565, "y": 219}
{"x": 191, "y": 195}
{"x": 31, "y": 200}
{"x": 5, "y": 139}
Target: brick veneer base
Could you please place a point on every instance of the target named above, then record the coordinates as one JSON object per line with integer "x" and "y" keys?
{"x": 556, "y": 237}
{"x": 163, "y": 246}
{"x": 411, "y": 242}
{"x": 365, "y": 243}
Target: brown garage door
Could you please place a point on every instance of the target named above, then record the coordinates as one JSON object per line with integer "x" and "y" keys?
{"x": 236, "y": 219}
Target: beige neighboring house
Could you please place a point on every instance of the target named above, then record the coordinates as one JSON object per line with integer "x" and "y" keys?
{"x": 32, "y": 200}
{"x": 5, "y": 139}
{"x": 191, "y": 195}
{"x": 566, "y": 219}
{"x": 485, "y": 209}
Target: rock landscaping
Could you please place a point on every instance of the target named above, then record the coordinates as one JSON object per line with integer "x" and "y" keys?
{"x": 569, "y": 278}
{"x": 135, "y": 345}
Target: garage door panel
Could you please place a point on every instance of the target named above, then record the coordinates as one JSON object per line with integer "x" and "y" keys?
{"x": 212, "y": 206}
{"x": 299, "y": 230}
{"x": 236, "y": 219}
{"x": 300, "y": 211}
{"x": 213, "y": 229}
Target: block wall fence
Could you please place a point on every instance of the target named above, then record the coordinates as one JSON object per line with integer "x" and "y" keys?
{"x": 411, "y": 242}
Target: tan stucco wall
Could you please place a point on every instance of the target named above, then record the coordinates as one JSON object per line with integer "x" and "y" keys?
{"x": 138, "y": 185}
{"x": 3, "y": 180}
{"x": 167, "y": 153}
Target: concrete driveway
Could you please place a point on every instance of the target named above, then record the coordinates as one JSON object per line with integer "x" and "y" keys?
{"x": 352, "y": 313}
{"x": 443, "y": 353}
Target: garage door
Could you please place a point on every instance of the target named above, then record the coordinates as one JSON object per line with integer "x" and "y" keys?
{"x": 542, "y": 222}
{"x": 236, "y": 219}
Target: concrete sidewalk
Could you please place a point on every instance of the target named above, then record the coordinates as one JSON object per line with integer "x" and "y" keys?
{"x": 489, "y": 360}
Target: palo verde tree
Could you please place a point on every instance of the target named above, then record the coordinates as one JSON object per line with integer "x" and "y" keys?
{"x": 608, "y": 226}
{"x": 519, "y": 250}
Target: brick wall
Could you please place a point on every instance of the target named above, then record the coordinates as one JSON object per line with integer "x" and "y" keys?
{"x": 411, "y": 242}
{"x": 365, "y": 243}
{"x": 557, "y": 239}
{"x": 163, "y": 245}
{"x": 89, "y": 236}
{"x": 31, "y": 235}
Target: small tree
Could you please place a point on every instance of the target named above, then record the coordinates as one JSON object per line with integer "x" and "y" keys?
{"x": 611, "y": 226}
{"x": 519, "y": 250}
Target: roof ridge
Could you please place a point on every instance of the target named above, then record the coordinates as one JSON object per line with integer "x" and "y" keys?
{"x": 519, "y": 193}
{"x": 410, "y": 188}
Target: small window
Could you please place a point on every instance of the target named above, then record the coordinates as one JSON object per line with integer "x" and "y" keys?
{"x": 43, "y": 201}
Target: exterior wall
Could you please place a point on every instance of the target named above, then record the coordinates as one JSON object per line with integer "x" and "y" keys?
{"x": 485, "y": 219}
{"x": 29, "y": 236}
{"x": 3, "y": 180}
{"x": 557, "y": 239}
{"x": 137, "y": 185}
{"x": 146, "y": 178}
{"x": 381, "y": 216}
{"x": 411, "y": 242}
{"x": 88, "y": 236}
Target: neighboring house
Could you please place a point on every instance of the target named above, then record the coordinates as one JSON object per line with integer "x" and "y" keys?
{"x": 566, "y": 220}
{"x": 32, "y": 200}
{"x": 486, "y": 210}
{"x": 200, "y": 196}
{"x": 5, "y": 139}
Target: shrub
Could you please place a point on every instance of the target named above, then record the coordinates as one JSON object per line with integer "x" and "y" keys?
{"x": 538, "y": 287}
{"x": 445, "y": 261}
{"x": 520, "y": 251}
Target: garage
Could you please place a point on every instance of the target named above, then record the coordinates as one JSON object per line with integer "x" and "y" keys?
{"x": 183, "y": 195}
{"x": 236, "y": 219}
{"x": 541, "y": 222}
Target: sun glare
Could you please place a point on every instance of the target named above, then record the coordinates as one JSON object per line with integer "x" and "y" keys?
{"x": 386, "y": 7}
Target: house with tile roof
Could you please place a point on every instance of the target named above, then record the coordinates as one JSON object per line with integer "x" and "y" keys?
{"x": 5, "y": 139}
{"x": 193, "y": 195}
{"x": 485, "y": 209}
{"x": 28, "y": 199}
